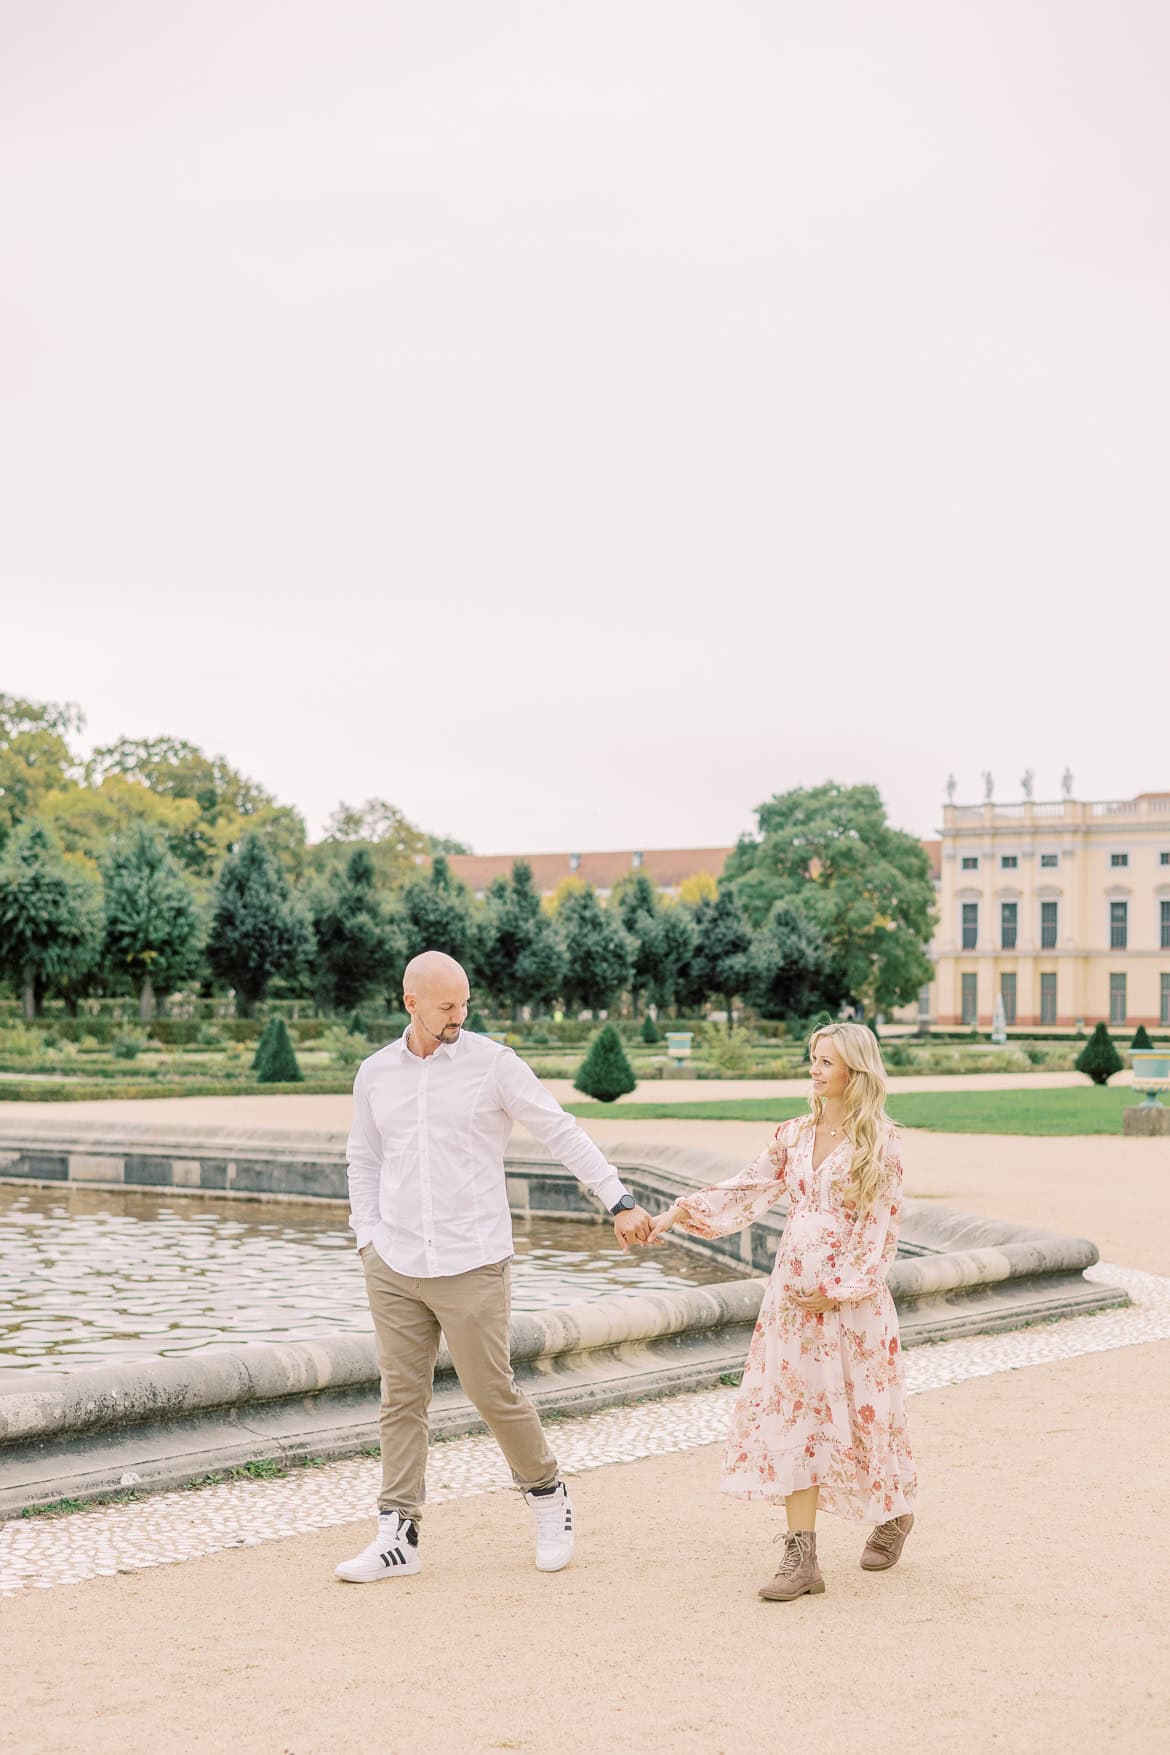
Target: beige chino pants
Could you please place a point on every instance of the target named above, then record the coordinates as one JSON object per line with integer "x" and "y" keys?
{"x": 473, "y": 1312}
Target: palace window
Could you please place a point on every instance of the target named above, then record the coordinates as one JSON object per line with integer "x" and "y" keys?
{"x": 1049, "y": 861}
{"x": 971, "y": 861}
{"x": 1117, "y": 998}
{"x": 1164, "y": 1010}
{"x": 970, "y": 925}
{"x": 1009, "y": 861}
{"x": 1048, "y": 998}
{"x": 970, "y": 999}
{"x": 1008, "y": 919}
{"x": 1164, "y": 858}
{"x": 1118, "y": 925}
{"x": 1007, "y": 992}
{"x": 1119, "y": 861}
{"x": 1048, "y": 926}
{"x": 1164, "y": 924}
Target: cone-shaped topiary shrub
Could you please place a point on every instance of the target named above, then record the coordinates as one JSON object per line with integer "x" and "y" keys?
{"x": 1141, "y": 1038}
{"x": 650, "y": 1031}
{"x": 605, "y": 1073}
{"x": 1099, "y": 1058}
{"x": 275, "y": 1062}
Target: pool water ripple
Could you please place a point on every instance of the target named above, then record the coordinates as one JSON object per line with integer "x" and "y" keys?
{"x": 91, "y": 1277}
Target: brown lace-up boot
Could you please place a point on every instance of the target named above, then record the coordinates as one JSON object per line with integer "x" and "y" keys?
{"x": 885, "y": 1545}
{"x": 798, "y": 1574}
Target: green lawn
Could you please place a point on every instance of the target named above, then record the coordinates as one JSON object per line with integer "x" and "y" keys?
{"x": 1091, "y": 1109}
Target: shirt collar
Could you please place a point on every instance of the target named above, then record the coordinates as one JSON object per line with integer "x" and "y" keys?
{"x": 447, "y": 1048}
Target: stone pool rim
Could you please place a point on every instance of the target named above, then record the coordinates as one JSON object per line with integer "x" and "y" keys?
{"x": 166, "y": 1420}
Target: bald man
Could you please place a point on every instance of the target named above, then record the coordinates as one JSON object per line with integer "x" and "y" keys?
{"x": 432, "y": 1114}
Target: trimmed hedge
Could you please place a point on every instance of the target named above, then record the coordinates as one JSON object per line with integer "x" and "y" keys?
{"x": 78, "y": 1091}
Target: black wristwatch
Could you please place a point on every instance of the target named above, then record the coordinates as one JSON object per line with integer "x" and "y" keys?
{"x": 625, "y": 1205}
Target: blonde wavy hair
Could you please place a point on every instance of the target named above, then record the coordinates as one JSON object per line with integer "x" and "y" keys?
{"x": 866, "y": 1123}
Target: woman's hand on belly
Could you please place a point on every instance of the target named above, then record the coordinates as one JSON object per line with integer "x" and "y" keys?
{"x": 814, "y": 1302}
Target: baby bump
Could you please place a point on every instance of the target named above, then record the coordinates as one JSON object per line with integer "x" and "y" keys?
{"x": 810, "y": 1251}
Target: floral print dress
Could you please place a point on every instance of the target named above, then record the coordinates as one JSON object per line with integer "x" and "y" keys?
{"x": 822, "y": 1403}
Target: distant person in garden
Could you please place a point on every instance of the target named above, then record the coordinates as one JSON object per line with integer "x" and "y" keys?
{"x": 820, "y": 1420}
{"x": 429, "y": 1207}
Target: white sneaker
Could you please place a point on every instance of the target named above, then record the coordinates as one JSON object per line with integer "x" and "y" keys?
{"x": 554, "y": 1527}
{"x": 392, "y": 1554}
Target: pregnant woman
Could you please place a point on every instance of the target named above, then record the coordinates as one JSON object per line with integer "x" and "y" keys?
{"x": 820, "y": 1419}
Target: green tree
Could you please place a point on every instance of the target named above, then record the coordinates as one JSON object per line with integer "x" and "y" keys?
{"x": 596, "y": 952}
{"x": 256, "y": 930}
{"x": 396, "y": 847}
{"x": 434, "y": 914}
{"x": 828, "y": 854}
{"x": 50, "y": 917}
{"x": 650, "y": 1033}
{"x": 229, "y": 805}
{"x": 635, "y": 900}
{"x": 517, "y": 956}
{"x": 1099, "y": 1058}
{"x": 1141, "y": 1038}
{"x": 673, "y": 949}
{"x": 719, "y": 964}
{"x": 785, "y": 966}
{"x": 152, "y": 928}
{"x": 275, "y": 1061}
{"x": 605, "y": 1073}
{"x": 90, "y": 820}
{"x": 540, "y": 972}
{"x": 35, "y": 756}
{"x": 356, "y": 948}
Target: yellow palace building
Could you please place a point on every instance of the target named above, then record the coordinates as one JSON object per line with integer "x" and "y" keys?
{"x": 1061, "y": 909}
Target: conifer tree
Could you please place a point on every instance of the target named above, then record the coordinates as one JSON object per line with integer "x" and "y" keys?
{"x": 1141, "y": 1038}
{"x": 596, "y": 950}
{"x": 275, "y": 1062}
{"x": 256, "y": 930}
{"x": 151, "y": 918}
{"x": 605, "y": 1073}
{"x": 1099, "y": 1058}
{"x": 356, "y": 950}
{"x": 434, "y": 914}
{"x": 50, "y": 917}
{"x": 720, "y": 965}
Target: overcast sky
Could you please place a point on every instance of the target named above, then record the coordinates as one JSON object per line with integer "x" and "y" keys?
{"x": 578, "y": 423}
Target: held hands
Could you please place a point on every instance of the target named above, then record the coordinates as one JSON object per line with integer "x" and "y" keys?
{"x": 662, "y": 1224}
{"x": 633, "y": 1226}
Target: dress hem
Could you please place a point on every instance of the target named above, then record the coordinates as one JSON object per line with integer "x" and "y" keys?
{"x": 852, "y": 1510}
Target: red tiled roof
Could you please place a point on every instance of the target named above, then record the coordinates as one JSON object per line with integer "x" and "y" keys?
{"x": 665, "y": 867}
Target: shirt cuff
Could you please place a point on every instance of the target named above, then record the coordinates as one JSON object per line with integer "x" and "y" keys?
{"x": 610, "y": 1190}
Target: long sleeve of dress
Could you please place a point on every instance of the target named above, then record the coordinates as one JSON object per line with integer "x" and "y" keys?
{"x": 873, "y": 1241}
{"x": 731, "y": 1205}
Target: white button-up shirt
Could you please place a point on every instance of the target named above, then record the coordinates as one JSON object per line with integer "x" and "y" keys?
{"x": 426, "y": 1153}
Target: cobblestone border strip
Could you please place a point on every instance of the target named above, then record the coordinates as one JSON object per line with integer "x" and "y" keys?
{"x": 170, "y": 1527}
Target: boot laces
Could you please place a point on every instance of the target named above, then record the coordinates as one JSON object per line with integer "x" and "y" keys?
{"x": 796, "y": 1546}
{"x": 885, "y": 1536}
